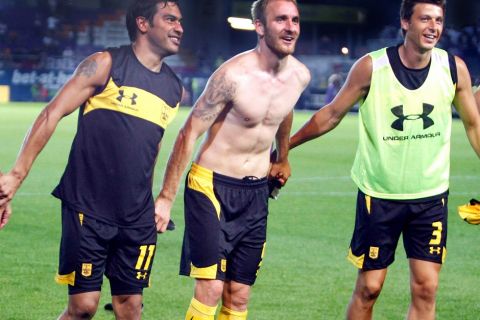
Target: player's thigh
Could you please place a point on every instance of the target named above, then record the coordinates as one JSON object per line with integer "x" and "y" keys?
{"x": 130, "y": 259}
{"x": 378, "y": 225}
{"x": 425, "y": 237}
{"x": 83, "y": 251}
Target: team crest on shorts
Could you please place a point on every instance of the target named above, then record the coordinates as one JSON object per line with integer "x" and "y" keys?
{"x": 373, "y": 254}
{"x": 86, "y": 269}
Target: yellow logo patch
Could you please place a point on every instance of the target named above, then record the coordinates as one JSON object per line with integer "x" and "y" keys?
{"x": 223, "y": 265}
{"x": 436, "y": 250}
{"x": 373, "y": 254}
{"x": 86, "y": 269}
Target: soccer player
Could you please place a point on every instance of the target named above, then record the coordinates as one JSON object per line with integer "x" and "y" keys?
{"x": 247, "y": 104}
{"x": 402, "y": 163}
{"x": 127, "y": 97}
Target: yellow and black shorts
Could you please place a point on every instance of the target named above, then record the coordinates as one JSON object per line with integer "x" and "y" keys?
{"x": 225, "y": 226}
{"x": 380, "y": 222}
{"x": 91, "y": 248}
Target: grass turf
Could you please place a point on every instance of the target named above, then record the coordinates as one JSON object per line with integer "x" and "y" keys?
{"x": 304, "y": 274}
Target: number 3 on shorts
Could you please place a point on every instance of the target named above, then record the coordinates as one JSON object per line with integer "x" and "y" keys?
{"x": 141, "y": 257}
{"x": 437, "y": 233}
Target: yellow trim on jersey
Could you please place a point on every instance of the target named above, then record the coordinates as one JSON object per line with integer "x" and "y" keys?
{"x": 356, "y": 261}
{"x": 65, "y": 278}
{"x": 201, "y": 179}
{"x": 134, "y": 102}
{"x": 444, "y": 254}
{"x": 204, "y": 273}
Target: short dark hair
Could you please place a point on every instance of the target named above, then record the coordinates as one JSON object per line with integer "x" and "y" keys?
{"x": 258, "y": 9}
{"x": 142, "y": 8}
{"x": 406, "y": 9}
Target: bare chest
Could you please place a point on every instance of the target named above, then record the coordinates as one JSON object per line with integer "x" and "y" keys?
{"x": 266, "y": 102}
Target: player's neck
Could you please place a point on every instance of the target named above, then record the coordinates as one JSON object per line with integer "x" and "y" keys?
{"x": 148, "y": 58}
{"x": 269, "y": 61}
{"x": 412, "y": 57}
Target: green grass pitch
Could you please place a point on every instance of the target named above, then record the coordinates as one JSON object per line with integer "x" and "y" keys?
{"x": 305, "y": 274}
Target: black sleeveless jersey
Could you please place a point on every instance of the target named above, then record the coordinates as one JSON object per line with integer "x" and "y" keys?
{"x": 413, "y": 79}
{"x": 110, "y": 168}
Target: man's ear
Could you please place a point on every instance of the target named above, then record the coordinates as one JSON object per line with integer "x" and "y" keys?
{"x": 404, "y": 24}
{"x": 259, "y": 28}
{"x": 142, "y": 24}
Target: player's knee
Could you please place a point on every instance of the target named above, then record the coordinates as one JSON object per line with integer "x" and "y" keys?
{"x": 238, "y": 302}
{"x": 85, "y": 310}
{"x": 425, "y": 290}
{"x": 370, "y": 291}
{"x": 209, "y": 290}
{"x": 127, "y": 304}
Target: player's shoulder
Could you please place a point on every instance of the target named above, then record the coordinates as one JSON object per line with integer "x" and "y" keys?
{"x": 364, "y": 65}
{"x": 459, "y": 62}
{"x": 235, "y": 67}
{"x": 96, "y": 66}
{"x": 103, "y": 57}
{"x": 101, "y": 61}
{"x": 300, "y": 69}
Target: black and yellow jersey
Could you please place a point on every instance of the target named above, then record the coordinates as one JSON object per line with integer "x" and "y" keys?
{"x": 110, "y": 168}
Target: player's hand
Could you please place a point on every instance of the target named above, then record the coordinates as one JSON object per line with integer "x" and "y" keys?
{"x": 5, "y": 213}
{"x": 162, "y": 214}
{"x": 280, "y": 171}
{"x": 9, "y": 185}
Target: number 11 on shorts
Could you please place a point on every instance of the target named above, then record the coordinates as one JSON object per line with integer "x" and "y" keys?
{"x": 141, "y": 258}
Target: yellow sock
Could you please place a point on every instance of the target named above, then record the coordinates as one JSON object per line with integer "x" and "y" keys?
{"x": 228, "y": 314}
{"x": 199, "y": 311}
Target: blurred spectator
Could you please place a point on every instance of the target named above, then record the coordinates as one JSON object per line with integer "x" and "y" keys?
{"x": 3, "y": 32}
{"x": 335, "y": 82}
{"x": 39, "y": 92}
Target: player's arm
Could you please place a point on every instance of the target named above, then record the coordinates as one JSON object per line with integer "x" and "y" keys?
{"x": 91, "y": 73}
{"x": 328, "y": 117}
{"x": 219, "y": 93}
{"x": 280, "y": 169}
{"x": 5, "y": 212}
{"x": 466, "y": 106}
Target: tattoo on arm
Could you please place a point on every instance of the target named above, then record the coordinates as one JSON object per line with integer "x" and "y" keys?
{"x": 87, "y": 68}
{"x": 219, "y": 92}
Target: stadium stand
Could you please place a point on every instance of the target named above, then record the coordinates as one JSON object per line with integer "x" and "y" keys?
{"x": 40, "y": 45}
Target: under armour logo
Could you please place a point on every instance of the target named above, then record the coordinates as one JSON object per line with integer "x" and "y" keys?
{"x": 398, "y": 112}
{"x": 122, "y": 95}
{"x": 436, "y": 250}
{"x": 141, "y": 275}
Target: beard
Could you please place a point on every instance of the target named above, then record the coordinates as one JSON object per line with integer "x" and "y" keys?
{"x": 276, "y": 45}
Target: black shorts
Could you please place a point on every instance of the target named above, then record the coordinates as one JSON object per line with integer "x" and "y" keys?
{"x": 380, "y": 222}
{"x": 91, "y": 248}
{"x": 225, "y": 226}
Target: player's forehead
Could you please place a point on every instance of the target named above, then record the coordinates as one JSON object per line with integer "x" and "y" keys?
{"x": 169, "y": 9}
{"x": 277, "y": 8}
{"x": 429, "y": 9}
